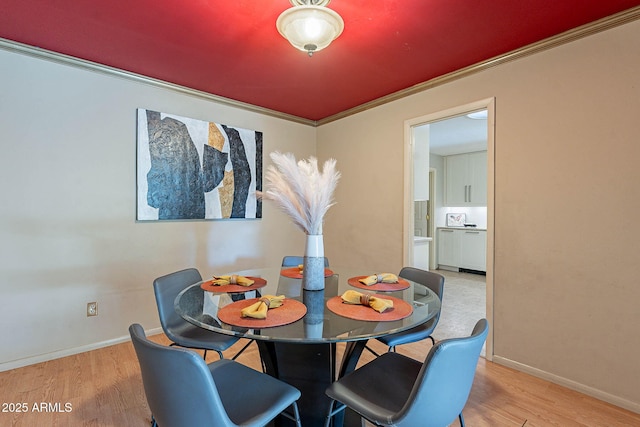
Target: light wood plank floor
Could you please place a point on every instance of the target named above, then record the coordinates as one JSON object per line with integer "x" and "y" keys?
{"x": 103, "y": 388}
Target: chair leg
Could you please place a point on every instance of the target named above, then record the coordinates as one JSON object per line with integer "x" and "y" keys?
{"x": 333, "y": 412}
{"x": 327, "y": 421}
{"x": 461, "y": 418}
{"x": 241, "y": 350}
{"x": 153, "y": 421}
{"x": 372, "y": 351}
{"x": 432, "y": 340}
{"x": 392, "y": 349}
{"x": 296, "y": 415}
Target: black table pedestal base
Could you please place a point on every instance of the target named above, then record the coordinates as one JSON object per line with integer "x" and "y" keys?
{"x": 311, "y": 369}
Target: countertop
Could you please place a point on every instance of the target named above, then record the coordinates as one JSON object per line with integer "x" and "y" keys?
{"x": 462, "y": 228}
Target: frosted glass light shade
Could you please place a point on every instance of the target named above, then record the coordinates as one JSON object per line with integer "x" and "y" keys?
{"x": 478, "y": 115}
{"x": 310, "y": 28}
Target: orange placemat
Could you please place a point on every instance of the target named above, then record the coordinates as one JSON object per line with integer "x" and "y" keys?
{"x": 294, "y": 273}
{"x": 258, "y": 282}
{"x": 290, "y": 311}
{"x": 400, "y": 310}
{"x": 379, "y": 287}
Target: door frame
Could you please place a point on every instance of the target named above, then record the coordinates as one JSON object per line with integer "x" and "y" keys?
{"x": 432, "y": 215}
{"x": 409, "y": 125}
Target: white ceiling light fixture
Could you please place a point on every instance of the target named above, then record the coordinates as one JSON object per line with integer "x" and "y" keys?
{"x": 309, "y": 25}
{"x": 478, "y": 115}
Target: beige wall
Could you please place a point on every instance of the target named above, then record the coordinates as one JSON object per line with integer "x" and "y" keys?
{"x": 68, "y": 233}
{"x": 567, "y": 146}
{"x": 566, "y": 175}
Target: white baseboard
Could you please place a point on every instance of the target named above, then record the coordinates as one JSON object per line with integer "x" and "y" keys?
{"x": 19, "y": 363}
{"x": 573, "y": 385}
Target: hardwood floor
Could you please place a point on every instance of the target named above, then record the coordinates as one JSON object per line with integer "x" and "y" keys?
{"x": 103, "y": 388}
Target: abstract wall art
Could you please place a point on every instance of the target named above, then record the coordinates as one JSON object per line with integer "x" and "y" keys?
{"x": 194, "y": 169}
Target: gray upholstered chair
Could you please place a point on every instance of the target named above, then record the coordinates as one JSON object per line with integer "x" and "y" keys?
{"x": 294, "y": 261}
{"x": 182, "y": 390}
{"x": 395, "y": 390}
{"x": 178, "y": 330}
{"x": 435, "y": 282}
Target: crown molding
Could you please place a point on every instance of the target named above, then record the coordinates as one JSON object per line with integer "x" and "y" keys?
{"x": 577, "y": 33}
{"x": 591, "y": 28}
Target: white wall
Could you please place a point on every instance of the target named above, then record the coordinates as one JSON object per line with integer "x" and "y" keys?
{"x": 68, "y": 233}
{"x": 566, "y": 197}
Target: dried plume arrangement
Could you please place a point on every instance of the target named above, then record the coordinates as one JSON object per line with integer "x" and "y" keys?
{"x": 300, "y": 190}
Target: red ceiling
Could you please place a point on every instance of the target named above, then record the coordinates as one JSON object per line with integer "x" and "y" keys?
{"x": 231, "y": 48}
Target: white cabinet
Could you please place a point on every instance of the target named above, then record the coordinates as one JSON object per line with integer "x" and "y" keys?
{"x": 473, "y": 249}
{"x": 455, "y": 181}
{"x": 463, "y": 248}
{"x": 466, "y": 179}
{"x": 448, "y": 248}
{"x": 478, "y": 178}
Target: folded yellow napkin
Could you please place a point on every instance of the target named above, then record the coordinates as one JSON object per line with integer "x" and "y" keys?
{"x": 233, "y": 279}
{"x": 258, "y": 310}
{"x": 379, "y": 278}
{"x": 355, "y": 297}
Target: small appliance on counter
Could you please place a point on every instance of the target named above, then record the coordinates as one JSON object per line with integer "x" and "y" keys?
{"x": 456, "y": 219}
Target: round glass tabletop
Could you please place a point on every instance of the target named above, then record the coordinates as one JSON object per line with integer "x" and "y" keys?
{"x": 318, "y": 324}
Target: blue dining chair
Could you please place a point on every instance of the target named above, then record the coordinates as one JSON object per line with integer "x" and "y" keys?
{"x": 294, "y": 261}
{"x": 178, "y": 330}
{"x": 395, "y": 390}
{"x": 183, "y": 390}
{"x": 433, "y": 281}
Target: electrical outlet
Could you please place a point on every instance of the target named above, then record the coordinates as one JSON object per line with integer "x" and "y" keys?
{"x": 92, "y": 309}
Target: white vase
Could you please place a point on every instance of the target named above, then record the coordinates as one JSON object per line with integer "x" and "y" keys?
{"x": 313, "y": 264}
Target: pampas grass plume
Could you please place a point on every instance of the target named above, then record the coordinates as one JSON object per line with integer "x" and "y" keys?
{"x": 301, "y": 190}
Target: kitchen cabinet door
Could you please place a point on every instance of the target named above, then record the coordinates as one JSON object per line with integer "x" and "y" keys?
{"x": 456, "y": 179}
{"x": 473, "y": 249}
{"x": 448, "y": 248}
{"x": 477, "y": 179}
{"x": 466, "y": 249}
{"x": 466, "y": 179}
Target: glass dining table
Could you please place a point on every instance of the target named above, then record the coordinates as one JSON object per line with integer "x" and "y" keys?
{"x": 301, "y": 350}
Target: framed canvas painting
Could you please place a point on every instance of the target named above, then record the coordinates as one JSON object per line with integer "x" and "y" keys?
{"x": 189, "y": 169}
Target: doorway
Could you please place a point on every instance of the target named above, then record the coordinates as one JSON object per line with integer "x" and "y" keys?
{"x": 412, "y": 131}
